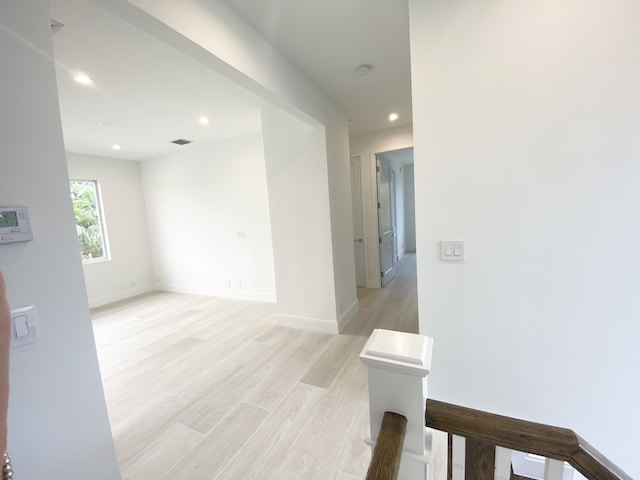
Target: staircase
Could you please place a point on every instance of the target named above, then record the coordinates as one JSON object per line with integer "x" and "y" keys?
{"x": 480, "y": 444}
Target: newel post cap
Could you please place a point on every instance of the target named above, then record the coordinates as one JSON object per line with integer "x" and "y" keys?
{"x": 407, "y": 353}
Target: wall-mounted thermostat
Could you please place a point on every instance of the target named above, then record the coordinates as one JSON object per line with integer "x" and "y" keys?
{"x": 15, "y": 225}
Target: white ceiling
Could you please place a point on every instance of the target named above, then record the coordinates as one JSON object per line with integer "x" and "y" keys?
{"x": 149, "y": 93}
{"x": 146, "y": 91}
{"x": 328, "y": 39}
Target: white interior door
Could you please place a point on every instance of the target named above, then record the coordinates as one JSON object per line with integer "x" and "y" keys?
{"x": 385, "y": 222}
{"x": 358, "y": 227}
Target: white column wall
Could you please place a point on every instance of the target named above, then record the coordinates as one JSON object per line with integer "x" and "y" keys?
{"x": 300, "y": 221}
{"x": 128, "y": 272}
{"x": 336, "y": 139}
{"x": 526, "y": 147}
{"x": 58, "y": 424}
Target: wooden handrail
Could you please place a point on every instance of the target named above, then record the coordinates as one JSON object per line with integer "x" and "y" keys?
{"x": 552, "y": 442}
{"x": 385, "y": 461}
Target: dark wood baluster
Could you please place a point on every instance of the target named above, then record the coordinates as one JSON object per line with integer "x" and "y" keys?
{"x": 450, "y": 456}
{"x": 480, "y": 460}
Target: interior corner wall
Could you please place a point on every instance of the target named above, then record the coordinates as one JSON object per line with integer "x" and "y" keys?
{"x": 209, "y": 220}
{"x": 368, "y": 145}
{"x": 300, "y": 221}
{"x": 58, "y": 424}
{"x": 128, "y": 272}
{"x": 526, "y": 148}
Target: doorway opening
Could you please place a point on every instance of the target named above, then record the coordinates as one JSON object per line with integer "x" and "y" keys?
{"x": 395, "y": 208}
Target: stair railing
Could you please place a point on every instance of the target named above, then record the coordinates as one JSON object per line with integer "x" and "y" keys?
{"x": 480, "y": 443}
{"x": 487, "y": 438}
{"x": 385, "y": 460}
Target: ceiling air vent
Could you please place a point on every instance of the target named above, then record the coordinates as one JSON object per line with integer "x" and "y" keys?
{"x": 181, "y": 141}
{"x": 55, "y": 26}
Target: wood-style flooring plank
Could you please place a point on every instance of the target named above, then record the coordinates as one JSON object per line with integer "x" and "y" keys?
{"x": 162, "y": 454}
{"x": 269, "y": 446}
{"x": 272, "y": 389}
{"x": 265, "y": 401}
{"x": 323, "y": 372}
{"x": 355, "y": 453}
{"x": 144, "y": 424}
{"x": 335, "y": 413}
{"x": 220, "y": 446}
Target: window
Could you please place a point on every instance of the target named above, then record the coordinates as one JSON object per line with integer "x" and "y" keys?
{"x": 89, "y": 220}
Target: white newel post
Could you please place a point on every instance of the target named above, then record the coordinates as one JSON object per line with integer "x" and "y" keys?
{"x": 398, "y": 365}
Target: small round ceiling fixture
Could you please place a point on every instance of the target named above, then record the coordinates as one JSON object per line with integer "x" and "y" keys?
{"x": 116, "y": 147}
{"x": 393, "y": 117}
{"x": 364, "y": 69}
{"x": 203, "y": 120}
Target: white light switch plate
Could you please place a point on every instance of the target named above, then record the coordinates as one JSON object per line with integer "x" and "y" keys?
{"x": 23, "y": 326}
{"x": 452, "y": 250}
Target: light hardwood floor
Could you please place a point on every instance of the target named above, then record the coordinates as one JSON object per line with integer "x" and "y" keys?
{"x": 210, "y": 388}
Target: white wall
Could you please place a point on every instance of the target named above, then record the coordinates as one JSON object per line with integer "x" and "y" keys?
{"x": 212, "y": 33}
{"x": 200, "y": 202}
{"x": 367, "y": 145}
{"x": 410, "y": 209}
{"x": 298, "y": 200}
{"x": 58, "y": 425}
{"x": 128, "y": 272}
{"x": 336, "y": 139}
{"x": 526, "y": 146}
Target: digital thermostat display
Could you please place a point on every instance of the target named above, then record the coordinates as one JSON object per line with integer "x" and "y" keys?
{"x": 14, "y": 225}
{"x": 8, "y": 219}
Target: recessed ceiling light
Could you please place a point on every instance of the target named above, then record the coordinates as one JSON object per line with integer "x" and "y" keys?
{"x": 393, "y": 117}
{"x": 203, "y": 120}
{"x": 104, "y": 124}
{"x": 364, "y": 69}
{"x": 116, "y": 147}
{"x": 83, "y": 78}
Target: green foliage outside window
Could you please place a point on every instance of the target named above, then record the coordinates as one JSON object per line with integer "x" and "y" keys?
{"x": 85, "y": 207}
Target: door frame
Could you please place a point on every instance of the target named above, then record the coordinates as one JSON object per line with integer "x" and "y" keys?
{"x": 359, "y": 159}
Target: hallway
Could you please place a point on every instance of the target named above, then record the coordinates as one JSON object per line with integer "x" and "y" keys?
{"x": 209, "y": 388}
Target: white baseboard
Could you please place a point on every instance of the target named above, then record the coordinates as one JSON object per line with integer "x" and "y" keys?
{"x": 346, "y": 317}
{"x": 234, "y": 293}
{"x": 318, "y": 324}
{"x": 122, "y": 295}
{"x": 304, "y": 323}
